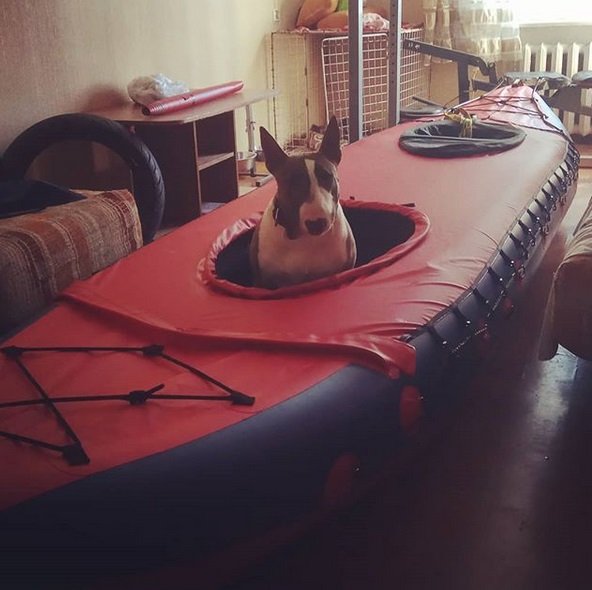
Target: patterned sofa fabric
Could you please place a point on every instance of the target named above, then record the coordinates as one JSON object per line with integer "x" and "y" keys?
{"x": 42, "y": 253}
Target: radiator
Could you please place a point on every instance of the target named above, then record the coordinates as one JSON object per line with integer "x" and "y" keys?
{"x": 567, "y": 59}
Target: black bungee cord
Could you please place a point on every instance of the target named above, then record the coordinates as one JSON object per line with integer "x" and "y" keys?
{"x": 74, "y": 452}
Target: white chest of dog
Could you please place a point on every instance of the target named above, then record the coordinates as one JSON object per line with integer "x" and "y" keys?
{"x": 303, "y": 234}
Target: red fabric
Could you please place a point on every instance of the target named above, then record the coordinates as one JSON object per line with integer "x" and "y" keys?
{"x": 115, "y": 433}
{"x": 471, "y": 203}
{"x": 243, "y": 226}
{"x": 272, "y": 349}
{"x": 516, "y": 105}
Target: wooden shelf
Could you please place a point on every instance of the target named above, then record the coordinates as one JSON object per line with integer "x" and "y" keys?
{"x": 195, "y": 149}
{"x": 131, "y": 113}
{"x": 204, "y": 162}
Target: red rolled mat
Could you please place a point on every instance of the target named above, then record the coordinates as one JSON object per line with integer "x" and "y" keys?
{"x": 191, "y": 98}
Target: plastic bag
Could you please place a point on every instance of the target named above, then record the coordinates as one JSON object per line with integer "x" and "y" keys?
{"x": 147, "y": 89}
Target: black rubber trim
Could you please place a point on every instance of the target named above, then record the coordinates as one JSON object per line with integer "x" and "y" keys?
{"x": 552, "y": 80}
{"x": 441, "y": 139}
{"x": 583, "y": 79}
{"x": 148, "y": 184}
{"x": 237, "y": 483}
{"x": 409, "y": 114}
{"x": 463, "y": 329}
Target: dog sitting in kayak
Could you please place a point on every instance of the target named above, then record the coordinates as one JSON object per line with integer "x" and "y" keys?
{"x": 303, "y": 234}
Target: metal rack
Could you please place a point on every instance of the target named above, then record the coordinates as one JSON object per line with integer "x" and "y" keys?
{"x": 311, "y": 71}
{"x": 296, "y": 73}
{"x": 413, "y": 80}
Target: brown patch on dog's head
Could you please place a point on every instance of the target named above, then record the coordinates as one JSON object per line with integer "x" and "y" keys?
{"x": 294, "y": 182}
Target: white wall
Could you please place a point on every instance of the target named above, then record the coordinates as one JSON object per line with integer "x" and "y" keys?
{"x": 61, "y": 56}
{"x": 73, "y": 55}
{"x": 412, "y": 11}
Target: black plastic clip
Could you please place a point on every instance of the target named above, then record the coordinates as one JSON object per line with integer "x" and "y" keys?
{"x": 74, "y": 454}
{"x": 545, "y": 210}
{"x": 153, "y": 350}
{"x": 573, "y": 170}
{"x": 436, "y": 335}
{"x": 519, "y": 244}
{"x": 241, "y": 399}
{"x": 138, "y": 397}
{"x": 551, "y": 197}
{"x": 536, "y": 219}
{"x": 12, "y": 352}
{"x": 467, "y": 323}
{"x": 498, "y": 280}
{"x": 528, "y": 231}
{"x": 567, "y": 174}
{"x": 573, "y": 158}
{"x": 559, "y": 191}
{"x": 483, "y": 300}
{"x": 509, "y": 262}
{"x": 562, "y": 184}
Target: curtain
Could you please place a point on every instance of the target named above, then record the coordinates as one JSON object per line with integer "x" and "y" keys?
{"x": 486, "y": 28}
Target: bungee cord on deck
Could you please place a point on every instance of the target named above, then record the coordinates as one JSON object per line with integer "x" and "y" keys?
{"x": 74, "y": 452}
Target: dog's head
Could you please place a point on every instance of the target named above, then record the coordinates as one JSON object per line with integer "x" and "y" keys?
{"x": 308, "y": 187}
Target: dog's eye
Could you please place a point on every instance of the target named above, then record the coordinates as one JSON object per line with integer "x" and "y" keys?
{"x": 324, "y": 176}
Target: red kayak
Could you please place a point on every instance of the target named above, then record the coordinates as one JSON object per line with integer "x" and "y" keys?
{"x": 165, "y": 411}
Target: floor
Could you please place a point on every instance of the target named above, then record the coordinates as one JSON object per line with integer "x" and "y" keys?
{"x": 258, "y": 177}
{"x": 498, "y": 497}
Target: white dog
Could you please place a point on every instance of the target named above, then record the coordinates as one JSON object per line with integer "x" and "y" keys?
{"x": 303, "y": 234}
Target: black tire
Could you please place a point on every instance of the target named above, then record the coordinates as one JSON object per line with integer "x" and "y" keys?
{"x": 147, "y": 178}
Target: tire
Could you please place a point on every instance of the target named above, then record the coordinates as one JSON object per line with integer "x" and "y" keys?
{"x": 148, "y": 184}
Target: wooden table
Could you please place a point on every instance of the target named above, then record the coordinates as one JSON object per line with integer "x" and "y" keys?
{"x": 195, "y": 149}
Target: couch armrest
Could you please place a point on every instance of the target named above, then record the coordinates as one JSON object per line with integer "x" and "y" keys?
{"x": 42, "y": 253}
{"x": 568, "y": 316}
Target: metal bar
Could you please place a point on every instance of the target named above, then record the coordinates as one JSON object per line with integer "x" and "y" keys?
{"x": 463, "y": 61}
{"x": 463, "y": 82}
{"x": 250, "y": 122}
{"x": 452, "y": 54}
{"x": 356, "y": 78}
{"x": 394, "y": 61}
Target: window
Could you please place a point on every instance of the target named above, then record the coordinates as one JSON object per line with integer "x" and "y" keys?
{"x": 553, "y": 11}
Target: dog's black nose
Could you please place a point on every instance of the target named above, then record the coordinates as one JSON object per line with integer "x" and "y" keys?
{"x": 316, "y": 226}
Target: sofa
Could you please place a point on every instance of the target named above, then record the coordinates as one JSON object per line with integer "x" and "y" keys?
{"x": 51, "y": 235}
{"x": 568, "y": 315}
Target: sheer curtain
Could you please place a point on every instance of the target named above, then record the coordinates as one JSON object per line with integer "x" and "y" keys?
{"x": 487, "y": 28}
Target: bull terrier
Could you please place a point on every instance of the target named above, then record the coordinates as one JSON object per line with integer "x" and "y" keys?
{"x": 303, "y": 234}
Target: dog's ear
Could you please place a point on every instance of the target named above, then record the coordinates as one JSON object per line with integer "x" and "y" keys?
{"x": 331, "y": 147}
{"x": 274, "y": 154}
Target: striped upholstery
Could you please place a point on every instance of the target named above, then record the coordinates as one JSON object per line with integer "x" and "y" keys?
{"x": 42, "y": 253}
